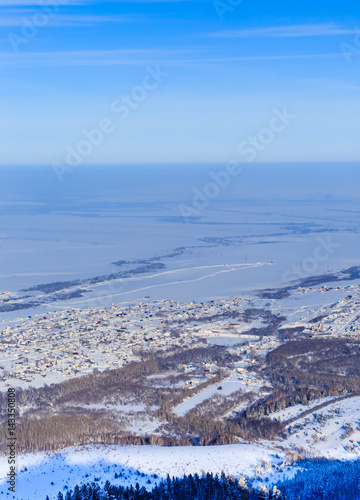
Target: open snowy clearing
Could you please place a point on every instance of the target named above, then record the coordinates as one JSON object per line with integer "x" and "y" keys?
{"x": 228, "y": 387}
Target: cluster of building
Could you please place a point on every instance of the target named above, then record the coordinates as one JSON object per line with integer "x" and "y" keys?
{"x": 47, "y": 348}
{"x": 63, "y": 344}
{"x": 325, "y": 289}
{"x": 337, "y": 318}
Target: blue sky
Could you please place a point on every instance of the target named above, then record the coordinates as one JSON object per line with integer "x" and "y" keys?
{"x": 228, "y": 65}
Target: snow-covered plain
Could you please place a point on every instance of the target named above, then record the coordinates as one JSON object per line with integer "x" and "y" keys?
{"x": 50, "y": 234}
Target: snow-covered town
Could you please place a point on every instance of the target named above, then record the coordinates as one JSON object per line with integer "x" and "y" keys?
{"x": 66, "y": 343}
{"x": 45, "y": 349}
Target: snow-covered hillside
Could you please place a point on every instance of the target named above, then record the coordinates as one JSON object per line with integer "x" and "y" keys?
{"x": 332, "y": 432}
{"x": 47, "y": 473}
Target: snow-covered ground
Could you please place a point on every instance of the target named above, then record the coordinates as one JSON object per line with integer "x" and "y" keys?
{"x": 72, "y": 466}
{"x": 116, "y": 408}
{"x": 294, "y": 411}
{"x": 225, "y": 340}
{"x": 44, "y": 474}
{"x": 335, "y": 434}
{"x": 229, "y": 386}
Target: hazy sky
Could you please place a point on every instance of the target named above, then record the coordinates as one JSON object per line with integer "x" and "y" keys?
{"x": 202, "y": 76}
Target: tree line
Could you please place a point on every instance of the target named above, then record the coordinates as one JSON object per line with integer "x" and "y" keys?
{"x": 315, "y": 480}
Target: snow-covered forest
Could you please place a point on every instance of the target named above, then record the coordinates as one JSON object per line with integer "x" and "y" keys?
{"x": 315, "y": 480}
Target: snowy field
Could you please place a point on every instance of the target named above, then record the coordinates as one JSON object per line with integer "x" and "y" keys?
{"x": 36, "y": 473}
{"x": 226, "y": 341}
{"x": 228, "y": 387}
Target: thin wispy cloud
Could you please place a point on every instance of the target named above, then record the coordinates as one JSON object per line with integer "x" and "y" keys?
{"x": 348, "y": 87}
{"x": 292, "y": 31}
{"x": 127, "y": 57}
{"x": 131, "y": 57}
{"x": 12, "y": 20}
